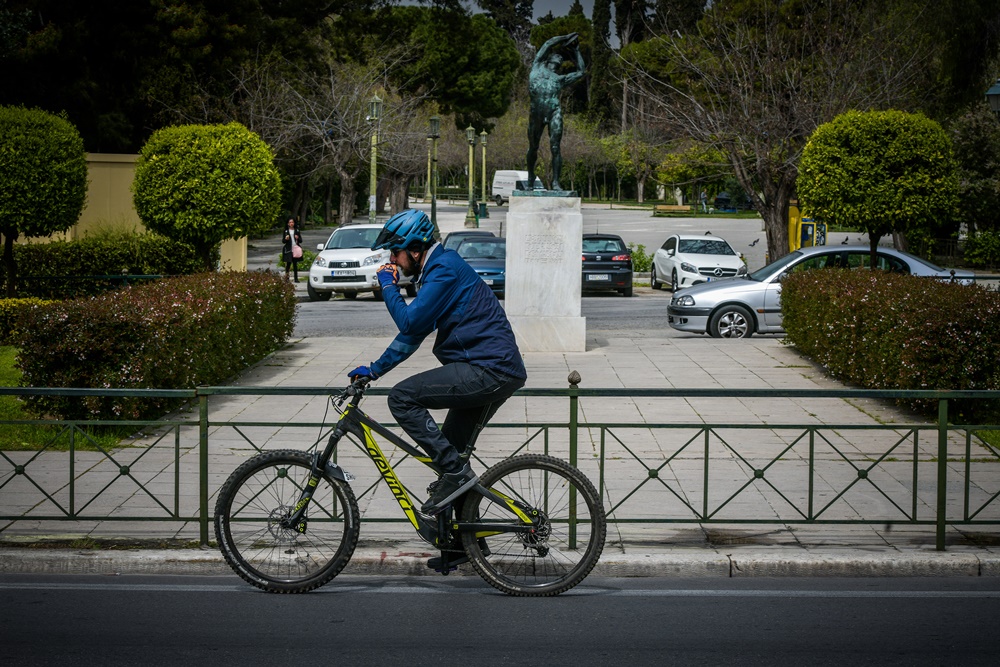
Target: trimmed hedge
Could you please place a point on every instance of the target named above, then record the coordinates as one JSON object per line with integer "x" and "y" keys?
{"x": 10, "y": 311}
{"x": 176, "y": 333}
{"x": 111, "y": 253}
{"x": 889, "y": 331}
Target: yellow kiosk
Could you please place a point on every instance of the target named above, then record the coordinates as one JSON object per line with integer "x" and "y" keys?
{"x": 803, "y": 232}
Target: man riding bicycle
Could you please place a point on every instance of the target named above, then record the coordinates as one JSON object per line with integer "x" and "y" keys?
{"x": 481, "y": 365}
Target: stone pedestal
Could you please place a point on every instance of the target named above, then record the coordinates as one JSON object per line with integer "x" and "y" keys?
{"x": 542, "y": 296}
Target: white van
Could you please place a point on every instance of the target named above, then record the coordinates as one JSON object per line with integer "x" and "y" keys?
{"x": 505, "y": 182}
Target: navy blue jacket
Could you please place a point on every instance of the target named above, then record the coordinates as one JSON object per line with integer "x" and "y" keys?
{"x": 452, "y": 299}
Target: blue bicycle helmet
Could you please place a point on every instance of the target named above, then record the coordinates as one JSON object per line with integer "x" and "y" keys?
{"x": 404, "y": 230}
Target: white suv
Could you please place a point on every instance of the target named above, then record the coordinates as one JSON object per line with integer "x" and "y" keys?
{"x": 347, "y": 264}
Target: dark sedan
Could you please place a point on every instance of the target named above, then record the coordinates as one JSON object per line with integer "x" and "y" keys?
{"x": 607, "y": 264}
{"x": 488, "y": 256}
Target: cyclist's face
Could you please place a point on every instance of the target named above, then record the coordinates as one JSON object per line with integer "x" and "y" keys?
{"x": 408, "y": 262}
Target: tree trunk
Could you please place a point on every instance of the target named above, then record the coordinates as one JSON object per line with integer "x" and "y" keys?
{"x": 328, "y": 203}
{"x": 347, "y": 194}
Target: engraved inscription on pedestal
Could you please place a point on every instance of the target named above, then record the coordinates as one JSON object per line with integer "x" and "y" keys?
{"x": 544, "y": 248}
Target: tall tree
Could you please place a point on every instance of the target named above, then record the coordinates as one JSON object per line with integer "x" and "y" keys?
{"x": 602, "y": 95}
{"x": 679, "y": 15}
{"x": 760, "y": 75}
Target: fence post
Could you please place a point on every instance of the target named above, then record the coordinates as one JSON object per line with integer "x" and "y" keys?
{"x": 942, "y": 472}
{"x": 574, "y": 397}
{"x": 203, "y": 466}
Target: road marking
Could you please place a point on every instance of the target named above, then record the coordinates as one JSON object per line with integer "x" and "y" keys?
{"x": 441, "y": 589}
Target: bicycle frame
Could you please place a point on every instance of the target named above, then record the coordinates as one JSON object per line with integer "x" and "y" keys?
{"x": 430, "y": 528}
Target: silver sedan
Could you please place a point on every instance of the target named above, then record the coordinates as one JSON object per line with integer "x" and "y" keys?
{"x": 740, "y": 307}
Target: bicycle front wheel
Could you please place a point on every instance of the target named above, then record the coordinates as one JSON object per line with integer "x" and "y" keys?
{"x": 568, "y": 539}
{"x": 253, "y": 501}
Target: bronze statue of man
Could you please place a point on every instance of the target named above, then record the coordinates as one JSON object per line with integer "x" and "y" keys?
{"x": 544, "y": 86}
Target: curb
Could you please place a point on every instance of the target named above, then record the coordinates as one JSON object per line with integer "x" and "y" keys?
{"x": 680, "y": 564}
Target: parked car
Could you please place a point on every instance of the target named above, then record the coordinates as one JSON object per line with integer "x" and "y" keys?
{"x": 607, "y": 264}
{"x": 505, "y": 182}
{"x": 687, "y": 260}
{"x": 487, "y": 255}
{"x": 346, "y": 263}
{"x": 725, "y": 203}
{"x": 740, "y": 307}
{"x": 455, "y": 238}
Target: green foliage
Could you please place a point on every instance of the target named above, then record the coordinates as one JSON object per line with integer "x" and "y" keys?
{"x": 176, "y": 333}
{"x": 472, "y": 76}
{"x": 890, "y": 331}
{"x": 880, "y": 171}
{"x": 641, "y": 262}
{"x": 695, "y": 168}
{"x": 204, "y": 184}
{"x": 983, "y": 249}
{"x": 43, "y": 172}
{"x": 976, "y": 138}
{"x": 48, "y": 269}
{"x": 10, "y": 311}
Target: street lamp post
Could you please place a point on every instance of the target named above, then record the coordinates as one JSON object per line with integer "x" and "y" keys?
{"x": 482, "y": 209}
{"x": 470, "y": 215}
{"x": 427, "y": 190}
{"x": 374, "y": 111}
{"x": 435, "y": 132}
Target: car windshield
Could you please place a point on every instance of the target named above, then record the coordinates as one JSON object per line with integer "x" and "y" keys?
{"x": 705, "y": 247}
{"x": 775, "y": 266}
{"x": 487, "y": 248}
{"x": 345, "y": 237}
{"x": 454, "y": 239}
{"x": 603, "y": 245}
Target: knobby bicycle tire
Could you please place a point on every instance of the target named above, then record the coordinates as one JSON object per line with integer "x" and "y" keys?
{"x": 570, "y": 538}
{"x": 257, "y": 495}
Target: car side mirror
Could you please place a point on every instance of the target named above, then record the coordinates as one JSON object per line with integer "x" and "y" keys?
{"x": 782, "y": 276}
{"x": 671, "y": 252}
{"x": 320, "y": 246}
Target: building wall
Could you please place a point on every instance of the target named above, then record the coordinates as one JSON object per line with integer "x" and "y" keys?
{"x": 109, "y": 204}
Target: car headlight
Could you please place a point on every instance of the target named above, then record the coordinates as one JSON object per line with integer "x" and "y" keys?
{"x": 373, "y": 259}
{"x": 742, "y": 271}
{"x": 320, "y": 261}
{"x": 688, "y": 267}
{"x": 684, "y": 300}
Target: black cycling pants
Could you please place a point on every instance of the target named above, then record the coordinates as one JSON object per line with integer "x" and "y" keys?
{"x": 471, "y": 394}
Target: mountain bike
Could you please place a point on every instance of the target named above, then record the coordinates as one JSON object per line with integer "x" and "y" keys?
{"x": 287, "y": 521}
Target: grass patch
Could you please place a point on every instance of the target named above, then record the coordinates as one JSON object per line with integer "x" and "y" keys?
{"x": 33, "y": 437}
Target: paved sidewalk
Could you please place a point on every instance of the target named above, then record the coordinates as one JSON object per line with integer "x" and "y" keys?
{"x": 632, "y": 549}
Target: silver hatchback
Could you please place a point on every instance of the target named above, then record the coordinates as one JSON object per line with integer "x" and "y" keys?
{"x": 740, "y": 307}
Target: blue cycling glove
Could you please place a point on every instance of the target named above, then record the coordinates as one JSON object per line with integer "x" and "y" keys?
{"x": 387, "y": 275}
{"x": 362, "y": 372}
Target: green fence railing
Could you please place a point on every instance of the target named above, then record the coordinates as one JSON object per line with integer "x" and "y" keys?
{"x": 757, "y": 470}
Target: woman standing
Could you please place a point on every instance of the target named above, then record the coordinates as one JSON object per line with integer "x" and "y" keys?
{"x": 291, "y": 249}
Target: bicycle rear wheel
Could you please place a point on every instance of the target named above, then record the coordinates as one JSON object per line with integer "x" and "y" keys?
{"x": 568, "y": 540}
{"x": 251, "y": 504}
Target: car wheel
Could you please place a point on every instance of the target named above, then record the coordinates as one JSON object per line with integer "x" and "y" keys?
{"x": 411, "y": 290}
{"x": 499, "y": 200}
{"x": 316, "y": 296}
{"x": 731, "y": 321}
{"x": 656, "y": 284}
{"x": 378, "y": 295}
{"x": 674, "y": 286}
{"x": 350, "y": 295}
{"x": 626, "y": 292}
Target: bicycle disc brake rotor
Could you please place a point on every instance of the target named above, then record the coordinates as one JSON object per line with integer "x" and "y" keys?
{"x": 539, "y": 538}
{"x": 280, "y": 533}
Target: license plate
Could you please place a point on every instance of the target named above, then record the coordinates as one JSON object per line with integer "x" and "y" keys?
{"x": 344, "y": 272}
{"x": 488, "y": 281}
{"x": 599, "y": 276}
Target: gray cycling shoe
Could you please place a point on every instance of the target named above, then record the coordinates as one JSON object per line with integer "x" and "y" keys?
{"x": 448, "y": 487}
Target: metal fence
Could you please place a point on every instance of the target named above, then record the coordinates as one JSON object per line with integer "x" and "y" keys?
{"x": 758, "y": 470}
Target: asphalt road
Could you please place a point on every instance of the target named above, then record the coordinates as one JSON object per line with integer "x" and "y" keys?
{"x": 88, "y": 620}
